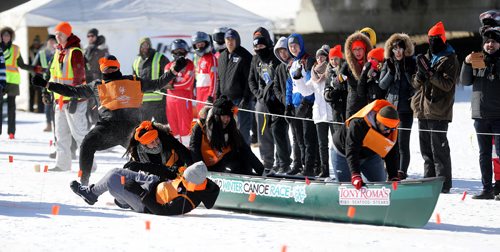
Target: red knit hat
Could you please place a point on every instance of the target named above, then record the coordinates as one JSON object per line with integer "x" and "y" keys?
{"x": 377, "y": 53}
{"x": 438, "y": 30}
{"x": 64, "y": 27}
{"x": 336, "y": 51}
{"x": 358, "y": 43}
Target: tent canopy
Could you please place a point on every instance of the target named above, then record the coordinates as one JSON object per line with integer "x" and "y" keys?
{"x": 124, "y": 22}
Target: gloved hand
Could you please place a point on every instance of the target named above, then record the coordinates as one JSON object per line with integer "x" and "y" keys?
{"x": 210, "y": 99}
{"x": 179, "y": 64}
{"x": 390, "y": 66}
{"x": 298, "y": 73}
{"x": 327, "y": 93}
{"x": 39, "y": 81}
{"x": 372, "y": 74}
{"x": 402, "y": 175}
{"x": 394, "y": 179}
{"x": 289, "y": 111}
{"x": 46, "y": 98}
{"x": 133, "y": 166}
{"x": 38, "y": 69}
{"x": 134, "y": 188}
{"x": 357, "y": 181}
{"x": 423, "y": 67}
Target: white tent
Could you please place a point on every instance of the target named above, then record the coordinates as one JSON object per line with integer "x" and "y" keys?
{"x": 124, "y": 22}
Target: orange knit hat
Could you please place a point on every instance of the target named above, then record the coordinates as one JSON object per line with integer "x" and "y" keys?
{"x": 388, "y": 116}
{"x": 438, "y": 30}
{"x": 149, "y": 136}
{"x": 336, "y": 51}
{"x": 377, "y": 53}
{"x": 64, "y": 27}
{"x": 108, "y": 61}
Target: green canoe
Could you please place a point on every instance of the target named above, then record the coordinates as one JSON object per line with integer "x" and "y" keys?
{"x": 409, "y": 203}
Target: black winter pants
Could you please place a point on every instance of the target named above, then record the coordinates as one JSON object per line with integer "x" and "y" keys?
{"x": 435, "y": 150}
{"x": 485, "y": 148}
{"x": 279, "y": 127}
{"x": 323, "y": 140}
{"x": 406, "y": 121}
{"x": 11, "y": 114}
{"x": 103, "y": 136}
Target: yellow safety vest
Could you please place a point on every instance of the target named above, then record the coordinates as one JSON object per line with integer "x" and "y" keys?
{"x": 11, "y": 69}
{"x": 62, "y": 72}
{"x": 155, "y": 73}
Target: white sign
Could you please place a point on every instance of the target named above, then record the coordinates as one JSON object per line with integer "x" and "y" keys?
{"x": 364, "y": 196}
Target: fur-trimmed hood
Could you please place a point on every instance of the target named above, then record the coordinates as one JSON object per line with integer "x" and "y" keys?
{"x": 349, "y": 56}
{"x": 410, "y": 48}
{"x": 10, "y": 31}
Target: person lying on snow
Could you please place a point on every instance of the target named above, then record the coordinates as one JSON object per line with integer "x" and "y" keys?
{"x": 216, "y": 140}
{"x": 154, "y": 150}
{"x": 120, "y": 98}
{"x": 148, "y": 193}
{"x": 367, "y": 137}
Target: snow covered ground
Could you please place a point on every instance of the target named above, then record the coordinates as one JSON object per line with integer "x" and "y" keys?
{"x": 27, "y": 199}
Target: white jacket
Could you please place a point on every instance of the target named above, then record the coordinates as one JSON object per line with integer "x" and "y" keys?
{"x": 322, "y": 111}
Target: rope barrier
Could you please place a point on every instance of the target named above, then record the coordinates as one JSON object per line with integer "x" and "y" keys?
{"x": 306, "y": 119}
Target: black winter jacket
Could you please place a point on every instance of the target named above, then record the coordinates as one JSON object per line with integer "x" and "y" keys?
{"x": 485, "y": 83}
{"x": 233, "y": 75}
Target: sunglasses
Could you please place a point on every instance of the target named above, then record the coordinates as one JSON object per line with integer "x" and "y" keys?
{"x": 397, "y": 49}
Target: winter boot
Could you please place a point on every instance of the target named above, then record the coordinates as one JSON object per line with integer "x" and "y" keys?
{"x": 84, "y": 191}
{"x": 496, "y": 188}
{"x": 294, "y": 171}
{"x": 324, "y": 172}
{"x": 484, "y": 195}
{"x": 309, "y": 172}
{"x": 48, "y": 128}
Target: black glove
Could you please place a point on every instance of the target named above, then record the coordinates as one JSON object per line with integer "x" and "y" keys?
{"x": 179, "y": 64}
{"x": 159, "y": 170}
{"x": 210, "y": 99}
{"x": 298, "y": 73}
{"x": 372, "y": 74}
{"x": 423, "y": 67}
{"x": 46, "y": 98}
{"x": 39, "y": 81}
{"x": 328, "y": 93}
{"x": 134, "y": 188}
{"x": 289, "y": 111}
{"x": 390, "y": 66}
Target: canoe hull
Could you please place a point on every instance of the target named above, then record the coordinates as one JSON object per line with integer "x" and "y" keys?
{"x": 408, "y": 204}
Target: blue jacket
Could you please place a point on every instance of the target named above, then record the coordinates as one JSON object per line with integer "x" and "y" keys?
{"x": 304, "y": 61}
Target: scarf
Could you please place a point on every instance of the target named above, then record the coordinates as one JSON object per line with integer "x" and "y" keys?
{"x": 448, "y": 51}
{"x": 143, "y": 151}
{"x": 319, "y": 72}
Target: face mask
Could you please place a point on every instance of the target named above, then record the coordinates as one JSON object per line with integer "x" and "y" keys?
{"x": 436, "y": 45}
{"x": 263, "y": 53}
{"x": 112, "y": 76}
{"x": 178, "y": 55}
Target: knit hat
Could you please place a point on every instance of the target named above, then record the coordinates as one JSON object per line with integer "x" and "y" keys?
{"x": 323, "y": 51}
{"x": 336, "y": 51}
{"x": 223, "y": 106}
{"x": 51, "y": 36}
{"x": 93, "y": 31}
{"x": 438, "y": 30}
{"x": 492, "y": 33}
{"x": 260, "y": 40}
{"x": 370, "y": 33}
{"x": 145, "y": 133}
{"x": 65, "y": 28}
{"x": 358, "y": 43}
{"x": 108, "y": 61}
{"x": 377, "y": 53}
{"x": 388, "y": 116}
{"x": 196, "y": 173}
{"x": 490, "y": 18}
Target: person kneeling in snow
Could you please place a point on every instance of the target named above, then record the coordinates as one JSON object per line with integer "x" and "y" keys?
{"x": 149, "y": 194}
{"x": 367, "y": 137}
{"x": 217, "y": 141}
